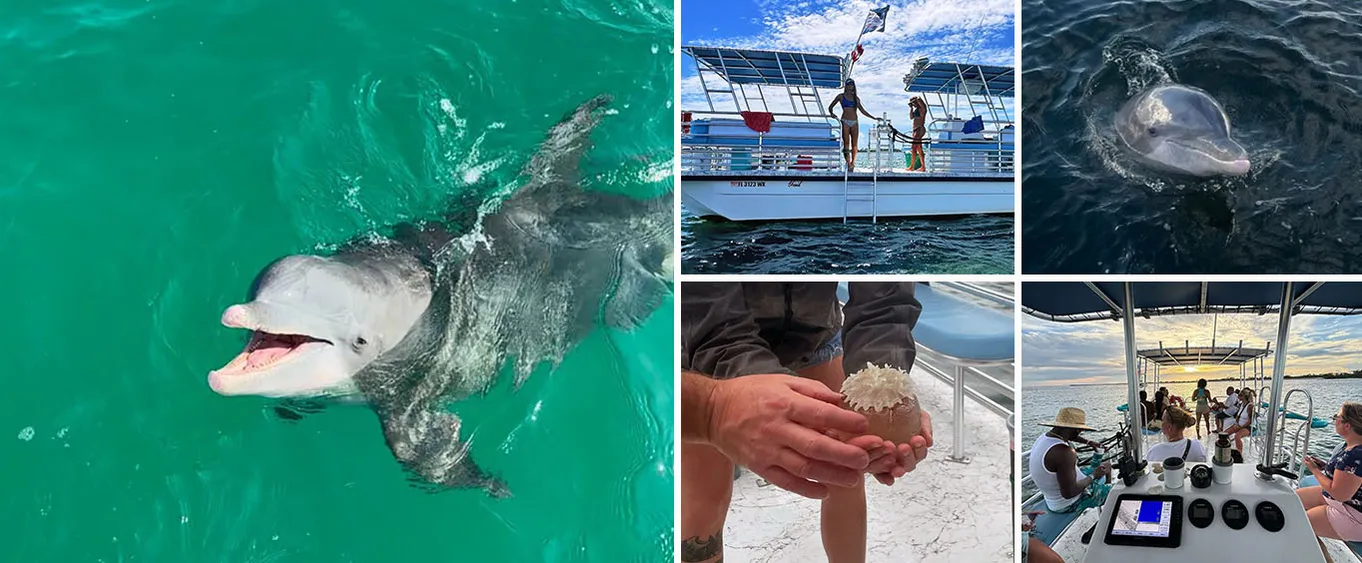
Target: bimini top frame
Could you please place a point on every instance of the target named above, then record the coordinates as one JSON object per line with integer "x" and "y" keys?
{"x": 1088, "y": 301}
{"x": 952, "y": 78}
{"x": 741, "y": 73}
{"x": 1202, "y": 355}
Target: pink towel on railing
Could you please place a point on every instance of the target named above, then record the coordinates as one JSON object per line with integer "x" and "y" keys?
{"x": 759, "y": 121}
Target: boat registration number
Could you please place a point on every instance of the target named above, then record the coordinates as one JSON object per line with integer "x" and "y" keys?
{"x": 747, "y": 184}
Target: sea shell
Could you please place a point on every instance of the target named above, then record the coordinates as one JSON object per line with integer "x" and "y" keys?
{"x": 885, "y": 396}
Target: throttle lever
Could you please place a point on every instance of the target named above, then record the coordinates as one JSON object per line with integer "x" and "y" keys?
{"x": 1275, "y": 469}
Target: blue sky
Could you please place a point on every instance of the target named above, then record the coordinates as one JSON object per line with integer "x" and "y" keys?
{"x": 978, "y": 31}
{"x": 1091, "y": 352}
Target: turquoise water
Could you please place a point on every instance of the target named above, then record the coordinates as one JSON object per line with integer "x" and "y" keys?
{"x": 154, "y": 155}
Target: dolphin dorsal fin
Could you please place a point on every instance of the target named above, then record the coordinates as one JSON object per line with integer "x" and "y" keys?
{"x": 555, "y": 164}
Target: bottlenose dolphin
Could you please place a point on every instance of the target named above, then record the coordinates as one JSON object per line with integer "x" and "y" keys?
{"x": 1181, "y": 129}
{"x": 409, "y": 324}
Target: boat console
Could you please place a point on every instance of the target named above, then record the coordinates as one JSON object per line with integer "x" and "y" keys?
{"x": 1257, "y": 517}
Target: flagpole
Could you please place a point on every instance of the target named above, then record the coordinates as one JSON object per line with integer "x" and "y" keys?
{"x": 853, "y": 50}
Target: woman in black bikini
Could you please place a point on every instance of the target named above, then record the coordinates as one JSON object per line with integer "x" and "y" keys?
{"x": 851, "y": 132}
{"x": 919, "y": 115}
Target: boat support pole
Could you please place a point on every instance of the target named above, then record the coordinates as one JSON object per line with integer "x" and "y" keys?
{"x": 1132, "y": 381}
{"x": 1269, "y": 454}
{"x": 958, "y": 416}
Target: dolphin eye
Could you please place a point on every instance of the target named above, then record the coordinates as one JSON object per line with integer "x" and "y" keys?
{"x": 359, "y": 344}
{"x": 1153, "y": 132}
{"x": 361, "y": 341}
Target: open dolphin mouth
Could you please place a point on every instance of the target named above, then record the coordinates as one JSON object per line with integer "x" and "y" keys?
{"x": 266, "y": 349}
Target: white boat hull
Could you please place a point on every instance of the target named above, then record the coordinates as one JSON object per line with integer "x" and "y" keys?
{"x": 769, "y": 198}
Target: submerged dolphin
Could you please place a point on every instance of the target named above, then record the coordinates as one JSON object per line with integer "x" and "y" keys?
{"x": 412, "y": 323}
{"x": 1181, "y": 129}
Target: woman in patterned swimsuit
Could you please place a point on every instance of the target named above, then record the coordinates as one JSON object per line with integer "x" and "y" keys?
{"x": 1335, "y": 506}
{"x": 851, "y": 132}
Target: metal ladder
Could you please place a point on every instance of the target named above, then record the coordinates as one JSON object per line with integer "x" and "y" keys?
{"x": 861, "y": 191}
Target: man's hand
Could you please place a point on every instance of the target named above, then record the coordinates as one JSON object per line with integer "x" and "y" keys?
{"x": 890, "y": 461}
{"x": 775, "y": 425}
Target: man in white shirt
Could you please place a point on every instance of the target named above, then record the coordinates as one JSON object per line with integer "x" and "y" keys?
{"x": 1226, "y": 409}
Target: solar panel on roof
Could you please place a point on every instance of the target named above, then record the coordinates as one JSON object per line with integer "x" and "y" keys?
{"x": 948, "y": 77}
{"x": 779, "y": 68}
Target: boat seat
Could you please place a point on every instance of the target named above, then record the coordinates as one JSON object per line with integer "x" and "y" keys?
{"x": 986, "y": 337}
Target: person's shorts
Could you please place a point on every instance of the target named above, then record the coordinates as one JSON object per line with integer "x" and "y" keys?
{"x": 1345, "y": 520}
{"x": 1202, "y": 410}
{"x": 825, "y": 353}
{"x": 1221, "y": 415}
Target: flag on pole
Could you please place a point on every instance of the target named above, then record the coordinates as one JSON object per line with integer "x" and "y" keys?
{"x": 875, "y": 20}
{"x": 856, "y": 53}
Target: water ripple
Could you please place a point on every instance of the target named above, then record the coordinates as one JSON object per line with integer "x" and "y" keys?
{"x": 1289, "y": 75}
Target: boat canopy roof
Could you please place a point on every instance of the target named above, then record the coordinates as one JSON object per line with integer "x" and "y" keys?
{"x": 1092, "y": 301}
{"x": 778, "y": 68}
{"x": 1203, "y": 355}
{"x": 1001, "y": 81}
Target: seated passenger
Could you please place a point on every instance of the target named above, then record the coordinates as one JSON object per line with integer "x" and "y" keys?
{"x": 1223, "y": 409}
{"x": 1173, "y": 399}
{"x": 1175, "y": 421}
{"x": 1334, "y": 505}
{"x": 1054, "y": 469}
{"x": 1146, "y": 409}
{"x": 1242, "y": 419}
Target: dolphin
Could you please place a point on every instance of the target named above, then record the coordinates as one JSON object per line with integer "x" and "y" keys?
{"x": 412, "y": 322}
{"x": 1181, "y": 129}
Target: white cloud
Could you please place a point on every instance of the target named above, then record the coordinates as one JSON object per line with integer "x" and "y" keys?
{"x": 1064, "y": 353}
{"x": 945, "y": 30}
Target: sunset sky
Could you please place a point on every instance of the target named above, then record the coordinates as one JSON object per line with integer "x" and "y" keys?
{"x": 1091, "y": 352}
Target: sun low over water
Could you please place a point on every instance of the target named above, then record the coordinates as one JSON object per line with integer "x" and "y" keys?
{"x": 157, "y": 154}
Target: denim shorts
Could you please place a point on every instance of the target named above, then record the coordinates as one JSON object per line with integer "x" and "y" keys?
{"x": 825, "y": 353}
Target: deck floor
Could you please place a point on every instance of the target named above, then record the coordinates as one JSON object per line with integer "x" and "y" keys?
{"x": 942, "y": 511}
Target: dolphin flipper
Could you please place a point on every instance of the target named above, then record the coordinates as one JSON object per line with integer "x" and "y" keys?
{"x": 427, "y": 444}
{"x": 642, "y": 270}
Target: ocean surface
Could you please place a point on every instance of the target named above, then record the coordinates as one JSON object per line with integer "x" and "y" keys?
{"x": 1042, "y": 403}
{"x": 155, "y": 154}
{"x": 977, "y": 244}
{"x": 1289, "y": 75}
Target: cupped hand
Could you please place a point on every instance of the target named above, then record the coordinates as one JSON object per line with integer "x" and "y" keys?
{"x": 775, "y": 425}
{"x": 909, "y": 454}
{"x": 890, "y": 461}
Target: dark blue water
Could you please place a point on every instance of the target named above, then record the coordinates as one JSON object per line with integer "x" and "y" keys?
{"x": 976, "y": 244}
{"x": 1289, "y": 75}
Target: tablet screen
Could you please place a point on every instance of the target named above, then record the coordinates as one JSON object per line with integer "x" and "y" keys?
{"x": 1143, "y": 518}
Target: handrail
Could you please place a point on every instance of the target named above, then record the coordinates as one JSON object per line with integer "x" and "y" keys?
{"x": 1293, "y": 456}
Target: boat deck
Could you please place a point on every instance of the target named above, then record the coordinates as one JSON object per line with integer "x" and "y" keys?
{"x": 1070, "y": 547}
{"x": 942, "y": 511}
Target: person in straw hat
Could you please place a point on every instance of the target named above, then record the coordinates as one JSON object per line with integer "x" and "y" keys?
{"x": 1055, "y": 470}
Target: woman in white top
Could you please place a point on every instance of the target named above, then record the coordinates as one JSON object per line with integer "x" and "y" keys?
{"x": 1175, "y": 421}
{"x": 1243, "y": 419}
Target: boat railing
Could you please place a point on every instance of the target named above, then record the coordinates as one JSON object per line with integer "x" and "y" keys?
{"x": 739, "y": 159}
{"x": 1295, "y": 455}
{"x": 727, "y": 145}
